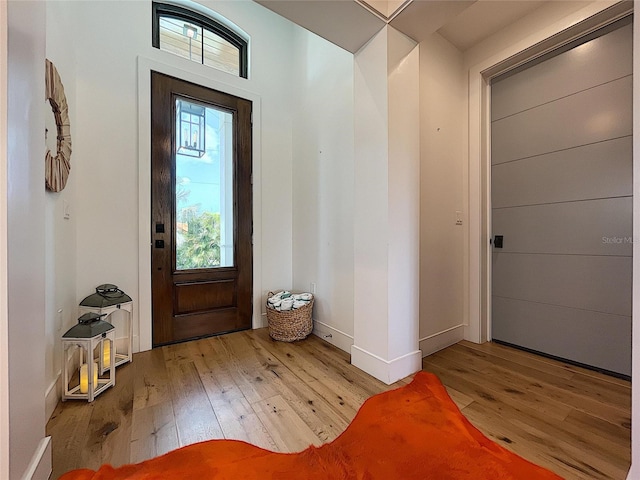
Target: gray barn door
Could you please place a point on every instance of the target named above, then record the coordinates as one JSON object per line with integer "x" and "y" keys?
{"x": 561, "y": 182}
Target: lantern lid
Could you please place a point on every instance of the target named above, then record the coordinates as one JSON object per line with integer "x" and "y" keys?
{"x": 90, "y": 317}
{"x": 106, "y": 295}
{"x": 89, "y": 325}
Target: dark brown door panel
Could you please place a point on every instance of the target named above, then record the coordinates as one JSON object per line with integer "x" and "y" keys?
{"x": 201, "y": 211}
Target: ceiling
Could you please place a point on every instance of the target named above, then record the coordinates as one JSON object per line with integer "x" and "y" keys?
{"x": 343, "y": 22}
{"x": 484, "y": 18}
{"x": 352, "y": 23}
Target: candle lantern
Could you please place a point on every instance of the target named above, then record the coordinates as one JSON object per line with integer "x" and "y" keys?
{"x": 83, "y": 357}
{"x": 117, "y": 307}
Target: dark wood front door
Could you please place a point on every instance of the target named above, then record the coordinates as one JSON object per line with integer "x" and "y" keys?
{"x": 201, "y": 208}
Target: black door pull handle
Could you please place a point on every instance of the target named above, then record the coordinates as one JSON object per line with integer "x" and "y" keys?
{"x": 497, "y": 241}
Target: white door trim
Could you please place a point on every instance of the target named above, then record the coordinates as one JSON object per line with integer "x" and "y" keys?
{"x": 4, "y": 295}
{"x": 635, "y": 347}
{"x": 143, "y": 339}
{"x": 477, "y": 171}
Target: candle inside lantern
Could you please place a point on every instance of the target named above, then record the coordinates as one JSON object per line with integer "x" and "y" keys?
{"x": 106, "y": 353}
{"x": 84, "y": 377}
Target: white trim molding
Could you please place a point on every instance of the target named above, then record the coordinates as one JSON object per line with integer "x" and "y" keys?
{"x": 634, "y": 472}
{"x": 39, "y": 467}
{"x": 477, "y": 255}
{"x": 333, "y": 336}
{"x": 188, "y": 71}
{"x": 438, "y": 341}
{"x": 52, "y": 396}
{"x": 387, "y": 371}
{"x": 4, "y": 293}
{"x": 262, "y": 321}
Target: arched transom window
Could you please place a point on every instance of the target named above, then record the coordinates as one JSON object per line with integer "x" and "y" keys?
{"x": 199, "y": 38}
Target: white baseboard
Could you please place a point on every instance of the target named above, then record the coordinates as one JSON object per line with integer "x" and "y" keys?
{"x": 260, "y": 322}
{"x": 39, "y": 467}
{"x": 332, "y": 335}
{"x": 52, "y": 396}
{"x": 440, "y": 340}
{"x": 387, "y": 371}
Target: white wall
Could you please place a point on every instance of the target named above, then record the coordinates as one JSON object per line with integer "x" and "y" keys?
{"x": 323, "y": 179}
{"x": 371, "y": 188}
{"x": 443, "y": 90}
{"x": 403, "y": 83}
{"x": 106, "y": 145}
{"x": 4, "y": 296}
{"x": 61, "y": 307}
{"x": 25, "y": 239}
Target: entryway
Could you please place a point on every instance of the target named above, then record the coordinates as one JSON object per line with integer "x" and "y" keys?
{"x": 561, "y": 182}
{"x": 201, "y": 211}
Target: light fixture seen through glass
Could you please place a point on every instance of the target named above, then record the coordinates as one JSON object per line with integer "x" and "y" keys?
{"x": 191, "y": 33}
{"x": 192, "y": 130}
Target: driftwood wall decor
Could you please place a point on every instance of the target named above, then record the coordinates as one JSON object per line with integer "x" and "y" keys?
{"x": 57, "y": 166}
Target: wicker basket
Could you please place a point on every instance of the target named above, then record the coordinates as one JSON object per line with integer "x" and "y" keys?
{"x": 290, "y": 325}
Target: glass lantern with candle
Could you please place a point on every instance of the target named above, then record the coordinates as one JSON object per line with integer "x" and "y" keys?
{"x": 88, "y": 358}
{"x": 117, "y": 307}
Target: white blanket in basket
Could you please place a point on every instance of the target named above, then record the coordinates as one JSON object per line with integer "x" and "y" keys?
{"x": 285, "y": 300}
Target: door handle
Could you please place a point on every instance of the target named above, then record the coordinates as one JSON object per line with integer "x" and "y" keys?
{"x": 159, "y": 243}
{"x": 497, "y": 241}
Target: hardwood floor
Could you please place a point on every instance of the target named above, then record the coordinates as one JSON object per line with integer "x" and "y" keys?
{"x": 573, "y": 421}
{"x": 284, "y": 397}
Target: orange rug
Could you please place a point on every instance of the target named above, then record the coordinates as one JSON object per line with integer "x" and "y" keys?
{"x": 413, "y": 433}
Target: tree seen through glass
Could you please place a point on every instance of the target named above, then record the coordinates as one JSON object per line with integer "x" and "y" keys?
{"x": 204, "y": 197}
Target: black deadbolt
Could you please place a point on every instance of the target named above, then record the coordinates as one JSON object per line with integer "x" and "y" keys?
{"x": 159, "y": 227}
{"x": 497, "y": 241}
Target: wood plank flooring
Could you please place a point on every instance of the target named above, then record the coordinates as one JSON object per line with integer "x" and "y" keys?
{"x": 285, "y": 397}
{"x": 571, "y": 420}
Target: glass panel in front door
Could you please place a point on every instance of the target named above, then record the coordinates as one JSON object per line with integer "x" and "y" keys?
{"x": 204, "y": 186}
